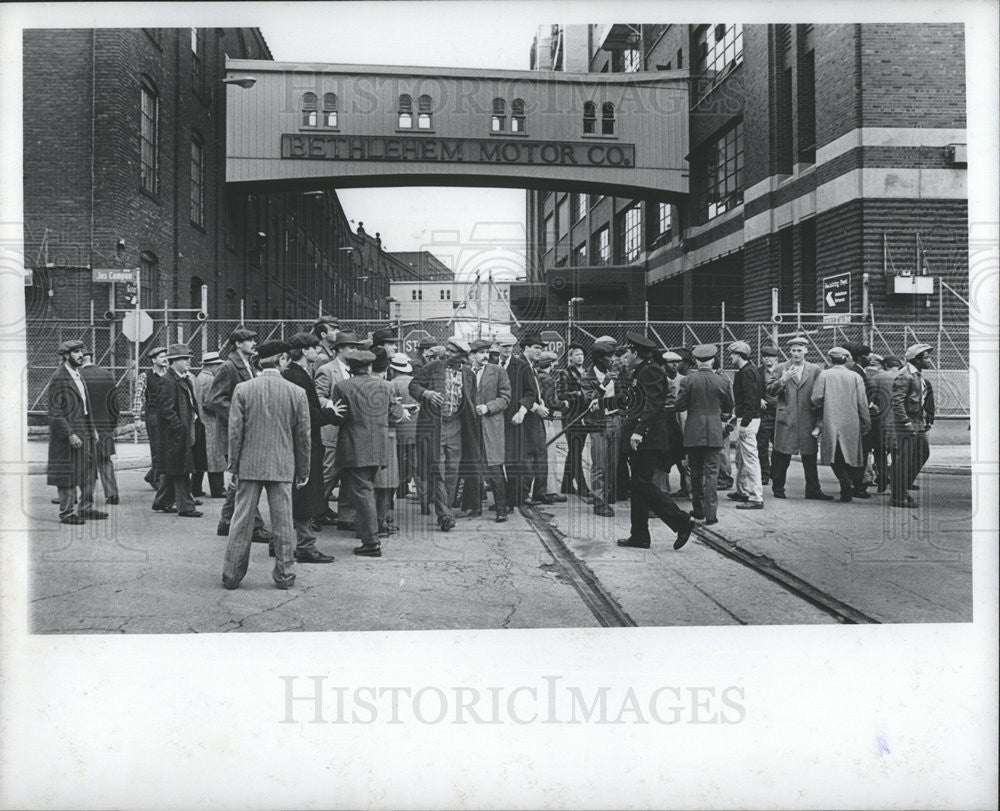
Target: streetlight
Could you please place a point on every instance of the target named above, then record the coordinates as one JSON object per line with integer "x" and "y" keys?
{"x": 240, "y": 81}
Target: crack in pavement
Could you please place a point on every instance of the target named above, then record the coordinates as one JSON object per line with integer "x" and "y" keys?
{"x": 91, "y": 586}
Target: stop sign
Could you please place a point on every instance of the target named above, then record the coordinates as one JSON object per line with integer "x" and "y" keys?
{"x": 411, "y": 342}
{"x": 137, "y": 325}
{"x": 554, "y": 342}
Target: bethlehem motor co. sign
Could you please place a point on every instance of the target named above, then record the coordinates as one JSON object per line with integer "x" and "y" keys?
{"x": 330, "y": 147}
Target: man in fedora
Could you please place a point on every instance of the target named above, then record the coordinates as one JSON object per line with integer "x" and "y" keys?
{"x": 911, "y": 417}
{"x": 215, "y": 444}
{"x": 178, "y": 412}
{"x": 602, "y": 419}
{"x": 387, "y": 339}
{"x": 268, "y": 450}
{"x": 446, "y": 416}
{"x": 791, "y": 385}
{"x": 144, "y": 407}
{"x": 72, "y": 438}
{"x": 326, "y": 377}
{"x": 103, "y": 393}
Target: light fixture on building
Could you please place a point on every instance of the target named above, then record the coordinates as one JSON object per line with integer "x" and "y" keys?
{"x": 240, "y": 81}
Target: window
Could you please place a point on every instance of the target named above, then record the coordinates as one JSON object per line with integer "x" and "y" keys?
{"x": 722, "y": 174}
{"x": 550, "y": 231}
{"x": 424, "y": 113}
{"x": 665, "y": 216}
{"x": 197, "y": 68}
{"x": 330, "y": 110}
{"x": 405, "y": 120}
{"x": 310, "y": 116}
{"x": 517, "y": 115}
{"x": 499, "y": 118}
{"x": 416, "y": 295}
{"x": 607, "y": 118}
{"x": 718, "y": 50}
{"x": 589, "y": 118}
{"x": 632, "y": 228}
{"x": 680, "y": 58}
{"x": 562, "y": 215}
{"x": 446, "y": 295}
{"x": 149, "y": 137}
{"x": 149, "y": 278}
{"x": 806, "y": 67}
{"x": 581, "y": 206}
{"x": 197, "y": 180}
{"x": 580, "y": 254}
{"x": 630, "y": 60}
{"x": 602, "y": 247}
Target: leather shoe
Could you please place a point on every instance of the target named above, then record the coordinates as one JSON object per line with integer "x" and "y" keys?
{"x": 312, "y": 556}
{"x": 684, "y": 536}
{"x": 737, "y": 497}
{"x": 447, "y": 524}
{"x": 425, "y": 509}
{"x": 170, "y": 508}
{"x": 906, "y": 504}
{"x": 72, "y": 519}
{"x": 710, "y": 521}
{"x": 680, "y": 494}
{"x": 469, "y": 514}
{"x": 559, "y": 498}
{"x": 369, "y": 550}
{"x": 819, "y": 497}
{"x": 191, "y": 514}
{"x": 94, "y": 514}
{"x": 347, "y": 526}
{"x": 633, "y": 543}
{"x": 603, "y": 509}
{"x": 750, "y": 505}
{"x": 697, "y": 516}
{"x": 861, "y": 493}
{"x": 779, "y": 494}
{"x": 502, "y": 516}
{"x": 198, "y": 502}
{"x": 846, "y": 498}
{"x": 111, "y": 500}
{"x": 222, "y": 530}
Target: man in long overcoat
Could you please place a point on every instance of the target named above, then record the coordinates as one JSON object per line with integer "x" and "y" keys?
{"x": 103, "y": 393}
{"x": 308, "y": 502}
{"x": 707, "y": 397}
{"x": 489, "y": 390}
{"x": 525, "y": 431}
{"x": 794, "y": 420}
{"x": 881, "y": 412}
{"x": 144, "y": 408}
{"x": 839, "y": 397}
{"x": 72, "y": 438}
{"x": 178, "y": 413}
{"x": 215, "y": 439}
{"x": 268, "y": 450}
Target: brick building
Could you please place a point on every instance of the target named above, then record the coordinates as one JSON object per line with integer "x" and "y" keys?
{"x": 124, "y": 166}
{"x": 815, "y": 151}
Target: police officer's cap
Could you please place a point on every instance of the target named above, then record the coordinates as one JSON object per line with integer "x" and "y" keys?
{"x": 705, "y": 351}
{"x": 639, "y": 341}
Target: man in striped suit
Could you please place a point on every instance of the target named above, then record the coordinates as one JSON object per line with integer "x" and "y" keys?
{"x": 268, "y": 449}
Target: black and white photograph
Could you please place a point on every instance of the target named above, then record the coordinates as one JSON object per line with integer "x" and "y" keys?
{"x": 399, "y": 383}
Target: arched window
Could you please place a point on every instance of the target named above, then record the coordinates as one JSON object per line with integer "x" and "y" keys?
{"x": 149, "y": 136}
{"x": 330, "y": 109}
{"x": 589, "y": 118}
{"x": 517, "y": 115}
{"x": 607, "y": 118}
{"x": 405, "y": 112}
{"x": 424, "y": 113}
{"x": 309, "y": 113}
{"x": 498, "y": 121}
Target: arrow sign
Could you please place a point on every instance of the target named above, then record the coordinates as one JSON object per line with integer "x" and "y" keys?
{"x": 831, "y": 300}
{"x": 837, "y": 297}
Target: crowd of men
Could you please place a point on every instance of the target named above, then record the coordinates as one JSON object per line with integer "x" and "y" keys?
{"x": 327, "y": 417}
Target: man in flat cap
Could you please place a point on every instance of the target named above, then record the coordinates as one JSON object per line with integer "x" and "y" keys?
{"x": 880, "y": 407}
{"x": 765, "y": 434}
{"x": 644, "y": 429}
{"x": 72, "y": 438}
{"x": 707, "y": 398}
{"x": 839, "y": 400}
{"x": 489, "y": 392}
{"x": 446, "y": 416}
{"x": 363, "y": 441}
{"x": 603, "y": 422}
{"x": 674, "y": 455}
{"x": 237, "y": 369}
{"x": 505, "y": 349}
{"x": 268, "y": 450}
{"x": 326, "y": 377}
{"x": 102, "y": 391}
{"x": 525, "y": 435}
{"x": 215, "y": 444}
{"x": 795, "y": 420}
{"x": 308, "y": 502}
{"x": 325, "y": 329}
{"x": 144, "y": 407}
{"x": 912, "y": 417}
{"x": 178, "y": 413}
{"x": 570, "y": 387}
{"x": 746, "y": 396}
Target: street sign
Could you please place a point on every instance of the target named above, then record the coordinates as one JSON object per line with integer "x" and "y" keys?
{"x": 837, "y": 298}
{"x": 137, "y": 325}
{"x": 412, "y": 339}
{"x": 554, "y": 342}
{"x": 113, "y": 274}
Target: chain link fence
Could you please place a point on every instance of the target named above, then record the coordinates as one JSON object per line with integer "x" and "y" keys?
{"x": 114, "y": 351}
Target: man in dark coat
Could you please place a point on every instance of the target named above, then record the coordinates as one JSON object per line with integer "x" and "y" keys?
{"x": 602, "y": 420}
{"x": 308, "y": 502}
{"x": 768, "y": 359}
{"x": 707, "y": 397}
{"x": 103, "y": 394}
{"x": 444, "y": 426}
{"x": 570, "y": 387}
{"x": 178, "y": 413}
{"x": 144, "y": 408}
{"x": 525, "y": 432}
{"x": 72, "y": 438}
{"x": 912, "y": 416}
{"x": 881, "y": 414}
{"x": 237, "y": 369}
{"x": 746, "y": 394}
{"x": 363, "y": 440}
{"x": 644, "y": 429}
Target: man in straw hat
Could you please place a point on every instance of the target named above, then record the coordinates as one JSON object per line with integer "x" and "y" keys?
{"x": 268, "y": 450}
